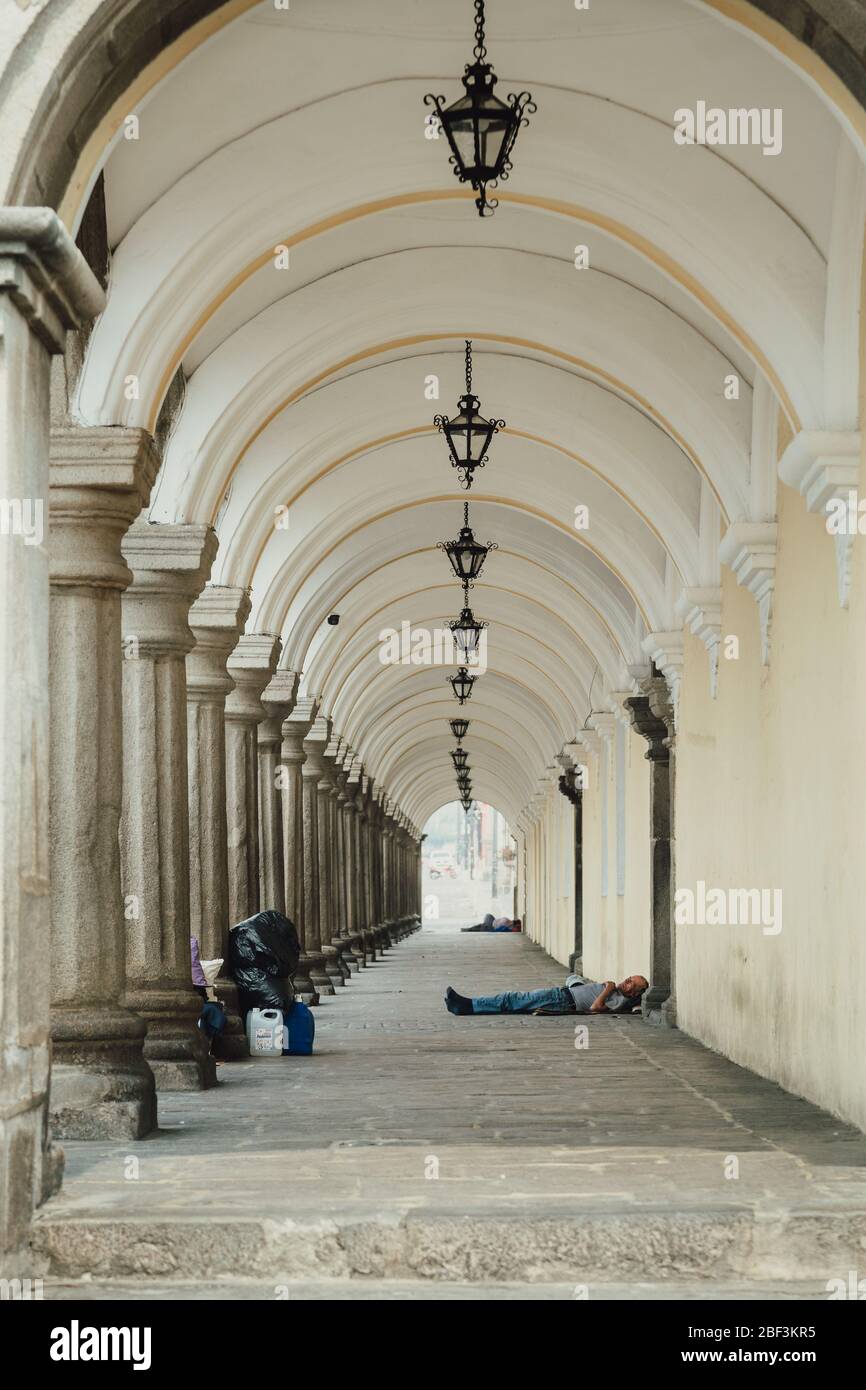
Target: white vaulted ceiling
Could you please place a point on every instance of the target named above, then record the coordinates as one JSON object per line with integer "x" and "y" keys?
{"x": 305, "y": 387}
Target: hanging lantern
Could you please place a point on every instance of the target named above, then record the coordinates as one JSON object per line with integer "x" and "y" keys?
{"x": 466, "y": 803}
{"x": 467, "y": 632}
{"x": 459, "y": 727}
{"x": 466, "y": 554}
{"x": 459, "y": 757}
{"x": 468, "y": 434}
{"x": 481, "y": 128}
{"x": 462, "y": 684}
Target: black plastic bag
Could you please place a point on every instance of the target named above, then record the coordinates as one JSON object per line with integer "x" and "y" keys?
{"x": 263, "y": 956}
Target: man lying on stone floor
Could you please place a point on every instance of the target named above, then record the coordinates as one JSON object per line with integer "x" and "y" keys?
{"x": 576, "y": 996}
{"x": 492, "y": 923}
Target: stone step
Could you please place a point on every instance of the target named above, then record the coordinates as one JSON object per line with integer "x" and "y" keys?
{"x": 419, "y": 1291}
{"x": 653, "y": 1244}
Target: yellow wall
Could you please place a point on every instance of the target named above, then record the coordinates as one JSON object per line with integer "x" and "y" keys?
{"x": 616, "y": 931}
{"x": 550, "y": 877}
{"x": 771, "y": 792}
{"x": 616, "y": 927}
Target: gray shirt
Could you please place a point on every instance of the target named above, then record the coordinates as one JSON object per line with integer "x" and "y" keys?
{"x": 585, "y": 992}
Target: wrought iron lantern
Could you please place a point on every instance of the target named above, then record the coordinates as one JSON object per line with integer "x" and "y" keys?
{"x": 468, "y": 433}
{"x": 462, "y": 684}
{"x": 466, "y": 803}
{"x": 466, "y": 554}
{"x": 464, "y": 788}
{"x": 459, "y": 757}
{"x": 467, "y": 631}
{"x": 459, "y": 728}
{"x": 481, "y": 128}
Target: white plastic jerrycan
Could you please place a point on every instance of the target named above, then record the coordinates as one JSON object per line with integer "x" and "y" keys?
{"x": 265, "y": 1032}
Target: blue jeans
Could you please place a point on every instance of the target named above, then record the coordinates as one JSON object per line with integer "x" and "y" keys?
{"x": 556, "y": 1000}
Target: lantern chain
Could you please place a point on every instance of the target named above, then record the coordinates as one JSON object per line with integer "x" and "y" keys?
{"x": 480, "y": 46}
{"x": 468, "y": 366}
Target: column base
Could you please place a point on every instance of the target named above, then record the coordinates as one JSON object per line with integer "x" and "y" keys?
{"x": 101, "y": 1085}
{"x": 233, "y": 1045}
{"x": 322, "y": 982}
{"x": 335, "y": 968}
{"x": 175, "y": 1048}
{"x": 351, "y": 953}
{"x": 659, "y": 1007}
{"x": 302, "y": 985}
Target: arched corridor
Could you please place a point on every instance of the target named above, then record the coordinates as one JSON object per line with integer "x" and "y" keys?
{"x": 257, "y": 629}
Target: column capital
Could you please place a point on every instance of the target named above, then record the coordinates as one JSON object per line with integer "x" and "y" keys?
{"x": 217, "y": 619}
{"x": 296, "y": 726}
{"x": 588, "y": 742}
{"x": 99, "y": 481}
{"x": 652, "y": 716}
{"x": 315, "y": 742}
{"x": 749, "y": 549}
{"x": 175, "y": 557}
{"x": 278, "y": 701}
{"x": 281, "y": 690}
{"x": 334, "y": 761}
{"x": 170, "y": 566}
{"x": 45, "y": 275}
{"x": 219, "y": 614}
{"x": 825, "y": 466}
{"x": 251, "y": 666}
{"x": 666, "y": 649}
{"x": 103, "y": 456}
{"x": 604, "y": 725}
{"x": 701, "y": 612}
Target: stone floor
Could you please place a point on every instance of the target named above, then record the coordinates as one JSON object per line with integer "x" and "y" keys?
{"x": 417, "y": 1155}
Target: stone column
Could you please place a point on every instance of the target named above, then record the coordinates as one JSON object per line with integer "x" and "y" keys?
{"x": 387, "y": 853}
{"x": 216, "y": 618}
{"x": 377, "y": 863}
{"x": 362, "y": 864}
{"x": 45, "y": 288}
{"x": 278, "y": 700}
{"x": 334, "y": 757}
{"x": 338, "y": 914}
{"x": 576, "y": 960}
{"x": 348, "y": 939}
{"x": 170, "y": 565}
{"x": 404, "y": 870}
{"x": 397, "y": 859}
{"x": 101, "y": 1086}
{"x": 251, "y": 667}
{"x": 652, "y": 715}
{"x": 570, "y": 788}
{"x": 348, "y": 811}
{"x": 300, "y": 832}
{"x": 407, "y": 855}
{"x": 370, "y": 826}
{"x": 316, "y": 808}
{"x": 377, "y": 850}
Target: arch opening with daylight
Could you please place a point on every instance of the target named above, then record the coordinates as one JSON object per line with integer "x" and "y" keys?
{"x": 240, "y": 277}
